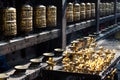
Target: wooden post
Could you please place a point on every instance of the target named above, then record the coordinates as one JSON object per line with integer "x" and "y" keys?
{"x": 64, "y": 23}
{"x": 97, "y": 9}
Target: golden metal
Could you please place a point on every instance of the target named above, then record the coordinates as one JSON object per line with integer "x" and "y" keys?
{"x": 69, "y": 12}
{"x": 82, "y": 11}
{"x": 92, "y": 10}
{"x": 26, "y": 18}
{"x": 88, "y": 10}
{"x": 92, "y": 59}
{"x": 50, "y": 63}
{"x": 40, "y": 16}
{"x": 66, "y": 67}
{"x": 76, "y": 12}
{"x": 9, "y": 26}
{"x": 52, "y": 16}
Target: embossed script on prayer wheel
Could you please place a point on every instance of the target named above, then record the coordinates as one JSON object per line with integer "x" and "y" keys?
{"x": 88, "y": 10}
{"x": 69, "y": 12}
{"x": 82, "y": 11}
{"x": 26, "y": 18}
{"x": 40, "y": 16}
{"x": 9, "y": 22}
{"x": 76, "y": 12}
{"x": 92, "y": 10}
{"x": 52, "y": 16}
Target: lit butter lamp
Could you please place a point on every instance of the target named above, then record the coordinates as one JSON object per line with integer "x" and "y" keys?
{"x": 110, "y": 53}
{"x": 3, "y": 76}
{"x": 65, "y": 60}
{"x": 99, "y": 65}
{"x": 72, "y": 66}
{"x": 66, "y": 67}
{"x": 20, "y": 69}
{"x": 81, "y": 43}
{"x": 50, "y": 63}
{"x": 93, "y": 45}
{"x": 80, "y": 68}
{"x": 35, "y": 62}
{"x": 75, "y": 43}
{"x": 80, "y": 60}
{"x": 89, "y": 41}
{"x": 73, "y": 48}
{"x": 92, "y": 68}
{"x": 80, "y": 53}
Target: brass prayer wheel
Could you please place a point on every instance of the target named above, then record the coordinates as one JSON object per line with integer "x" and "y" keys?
{"x": 76, "y": 11}
{"x": 104, "y": 8}
{"x": 107, "y": 8}
{"x": 40, "y": 16}
{"x": 110, "y": 10}
{"x": 26, "y": 17}
{"x": 9, "y": 22}
{"x": 118, "y": 7}
{"x": 92, "y": 10}
{"x": 52, "y": 16}
{"x": 88, "y": 10}
{"x": 69, "y": 12}
{"x": 112, "y": 7}
{"x": 82, "y": 11}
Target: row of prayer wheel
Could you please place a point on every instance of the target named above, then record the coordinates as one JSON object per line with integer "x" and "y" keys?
{"x": 24, "y": 20}
{"x": 106, "y": 9}
{"x": 82, "y": 11}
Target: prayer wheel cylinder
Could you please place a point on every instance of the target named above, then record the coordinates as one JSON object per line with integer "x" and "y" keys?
{"x": 9, "y": 22}
{"x": 26, "y": 19}
{"x": 88, "y": 10}
{"x": 93, "y": 10}
{"x": 40, "y": 16}
{"x": 52, "y": 16}
{"x": 76, "y": 12}
{"x": 69, "y": 12}
{"x": 82, "y": 11}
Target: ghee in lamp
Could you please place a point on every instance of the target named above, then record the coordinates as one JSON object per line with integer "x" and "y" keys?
{"x": 88, "y": 10}
{"x": 26, "y": 17}
{"x": 40, "y": 16}
{"x": 52, "y": 16}
{"x": 82, "y": 11}
{"x": 9, "y": 22}
{"x": 92, "y": 10}
{"x": 69, "y": 12}
{"x": 76, "y": 11}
